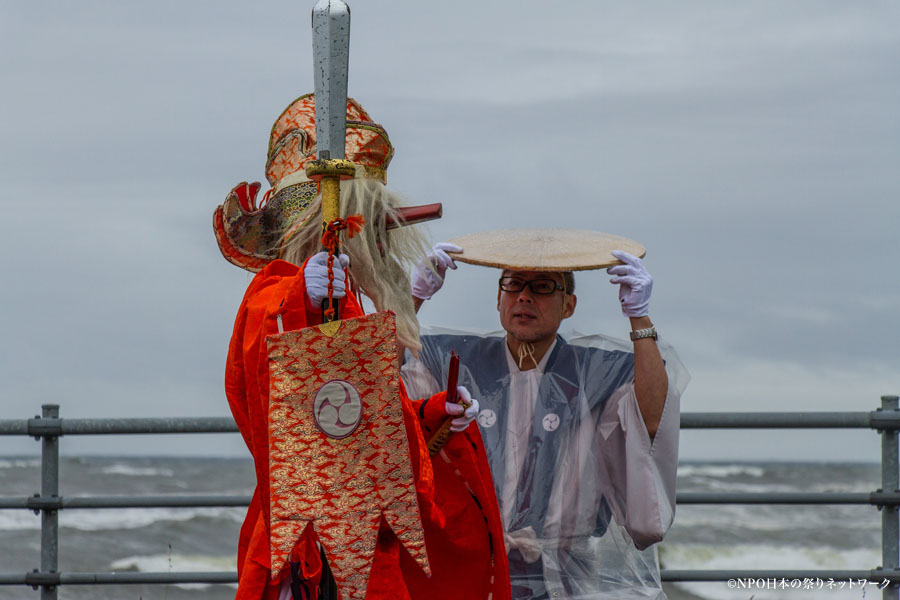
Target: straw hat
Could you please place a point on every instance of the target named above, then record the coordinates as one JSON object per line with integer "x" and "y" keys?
{"x": 547, "y": 249}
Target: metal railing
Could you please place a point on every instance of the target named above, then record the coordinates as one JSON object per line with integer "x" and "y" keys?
{"x": 49, "y": 427}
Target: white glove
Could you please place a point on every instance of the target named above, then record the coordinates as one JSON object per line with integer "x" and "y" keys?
{"x": 636, "y": 284}
{"x": 426, "y": 282}
{"x": 467, "y": 415}
{"x": 316, "y": 275}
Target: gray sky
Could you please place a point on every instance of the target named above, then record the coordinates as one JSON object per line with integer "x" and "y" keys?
{"x": 751, "y": 147}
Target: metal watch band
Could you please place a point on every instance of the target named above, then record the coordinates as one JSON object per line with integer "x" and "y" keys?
{"x": 649, "y": 332}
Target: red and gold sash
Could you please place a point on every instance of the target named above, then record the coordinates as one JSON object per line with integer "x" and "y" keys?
{"x": 338, "y": 450}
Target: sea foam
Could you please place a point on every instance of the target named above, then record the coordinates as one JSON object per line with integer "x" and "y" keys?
{"x": 689, "y": 470}
{"x": 174, "y": 563}
{"x": 20, "y": 463}
{"x": 135, "y": 518}
{"x": 126, "y": 469}
{"x": 118, "y": 518}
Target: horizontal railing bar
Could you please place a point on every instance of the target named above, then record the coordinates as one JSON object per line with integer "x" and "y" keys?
{"x": 198, "y": 501}
{"x": 873, "y": 498}
{"x": 13, "y": 427}
{"x": 876, "y": 575}
{"x": 159, "y": 501}
{"x": 165, "y": 425}
{"x": 124, "y": 578}
{"x": 143, "y": 426}
{"x": 37, "y": 426}
{"x": 791, "y": 420}
{"x": 694, "y": 420}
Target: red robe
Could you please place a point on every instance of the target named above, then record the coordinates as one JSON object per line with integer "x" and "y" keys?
{"x": 458, "y": 507}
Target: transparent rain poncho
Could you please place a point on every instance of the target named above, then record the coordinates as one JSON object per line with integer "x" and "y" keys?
{"x": 582, "y": 488}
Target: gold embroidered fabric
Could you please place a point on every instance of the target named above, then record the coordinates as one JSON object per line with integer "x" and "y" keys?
{"x": 338, "y": 451}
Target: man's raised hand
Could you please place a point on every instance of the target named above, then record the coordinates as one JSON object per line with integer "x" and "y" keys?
{"x": 425, "y": 281}
{"x": 635, "y": 284}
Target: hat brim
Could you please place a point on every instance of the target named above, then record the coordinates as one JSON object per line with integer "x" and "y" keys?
{"x": 547, "y": 249}
{"x": 230, "y": 251}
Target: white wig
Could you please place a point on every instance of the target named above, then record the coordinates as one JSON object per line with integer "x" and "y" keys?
{"x": 381, "y": 275}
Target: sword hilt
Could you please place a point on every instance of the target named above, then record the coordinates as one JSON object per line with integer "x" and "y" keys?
{"x": 442, "y": 435}
{"x": 329, "y": 173}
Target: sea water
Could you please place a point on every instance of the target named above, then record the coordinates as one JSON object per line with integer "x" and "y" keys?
{"x": 776, "y": 537}
{"x": 751, "y": 537}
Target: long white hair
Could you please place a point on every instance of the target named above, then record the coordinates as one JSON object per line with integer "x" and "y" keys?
{"x": 382, "y": 276}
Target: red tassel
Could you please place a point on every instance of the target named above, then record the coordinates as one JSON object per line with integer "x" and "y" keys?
{"x": 353, "y": 224}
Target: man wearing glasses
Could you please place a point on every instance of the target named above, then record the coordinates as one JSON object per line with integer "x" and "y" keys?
{"x": 581, "y": 434}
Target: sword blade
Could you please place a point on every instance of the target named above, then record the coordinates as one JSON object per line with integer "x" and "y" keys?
{"x": 331, "y": 54}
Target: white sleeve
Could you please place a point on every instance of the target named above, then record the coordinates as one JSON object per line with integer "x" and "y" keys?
{"x": 641, "y": 471}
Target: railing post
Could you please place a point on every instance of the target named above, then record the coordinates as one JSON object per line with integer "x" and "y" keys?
{"x": 890, "y": 481}
{"x": 49, "y": 488}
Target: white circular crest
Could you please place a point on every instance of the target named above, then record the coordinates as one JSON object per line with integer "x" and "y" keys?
{"x": 550, "y": 422}
{"x": 487, "y": 418}
{"x": 337, "y": 409}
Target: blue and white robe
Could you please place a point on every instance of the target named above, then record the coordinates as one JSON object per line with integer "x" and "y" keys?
{"x": 582, "y": 487}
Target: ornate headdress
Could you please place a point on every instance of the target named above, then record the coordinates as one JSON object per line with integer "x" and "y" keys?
{"x": 250, "y": 235}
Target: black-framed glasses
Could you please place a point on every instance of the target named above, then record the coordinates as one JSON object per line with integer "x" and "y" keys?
{"x": 543, "y": 287}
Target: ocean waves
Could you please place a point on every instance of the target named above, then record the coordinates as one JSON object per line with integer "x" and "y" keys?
{"x": 119, "y": 518}
{"x": 707, "y": 537}
{"x": 127, "y": 469}
{"x": 718, "y": 471}
{"x": 768, "y": 537}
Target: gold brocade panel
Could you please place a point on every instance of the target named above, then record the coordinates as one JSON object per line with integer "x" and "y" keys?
{"x": 338, "y": 451}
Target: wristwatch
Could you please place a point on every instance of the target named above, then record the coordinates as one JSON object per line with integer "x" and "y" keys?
{"x": 650, "y": 332}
